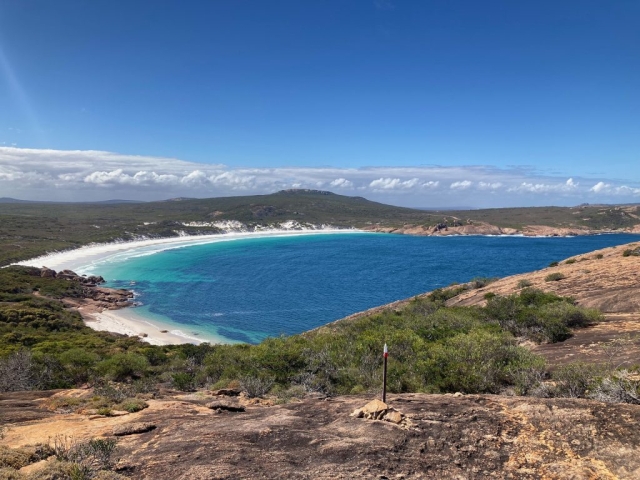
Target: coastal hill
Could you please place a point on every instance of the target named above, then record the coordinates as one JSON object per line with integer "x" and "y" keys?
{"x": 30, "y": 229}
{"x": 225, "y": 433}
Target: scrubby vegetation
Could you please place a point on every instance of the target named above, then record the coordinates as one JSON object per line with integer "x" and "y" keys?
{"x": 433, "y": 348}
{"x": 89, "y": 460}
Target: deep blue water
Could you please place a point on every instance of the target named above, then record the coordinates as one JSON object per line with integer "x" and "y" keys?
{"x": 246, "y": 290}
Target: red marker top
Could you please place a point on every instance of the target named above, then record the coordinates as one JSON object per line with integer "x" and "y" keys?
{"x": 385, "y": 353}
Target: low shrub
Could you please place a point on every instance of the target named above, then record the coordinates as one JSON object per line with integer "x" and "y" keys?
{"x": 444, "y": 294}
{"x": 524, "y": 284}
{"x": 618, "y": 387}
{"x": 89, "y": 456}
{"x": 123, "y": 366}
{"x": 480, "y": 282}
{"x": 21, "y": 457}
{"x": 574, "y": 380}
{"x": 183, "y": 381}
{"x": 570, "y": 261}
{"x": 7, "y": 473}
{"x": 554, "y": 277}
{"x": 255, "y": 386}
{"x": 553, "y": 264}
{"x": 132, "y": 405}
{"x": 599, "y": 256}
{"x": 629, "y": 252}
{"x": 538, "y": 315}
{"x": 285, "y": 395}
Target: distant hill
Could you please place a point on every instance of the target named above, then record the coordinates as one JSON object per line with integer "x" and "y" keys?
{"x": 104, "y": 202}
{"x": 13, "y": 200}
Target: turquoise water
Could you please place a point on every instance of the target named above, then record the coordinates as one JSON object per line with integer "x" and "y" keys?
{"x": 249, "y": 289}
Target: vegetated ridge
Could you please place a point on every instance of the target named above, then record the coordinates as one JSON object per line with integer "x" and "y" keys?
{"x": 28, "y": 230}
{"x": 479, "y": 387}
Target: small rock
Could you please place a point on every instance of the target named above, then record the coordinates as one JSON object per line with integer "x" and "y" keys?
{"x": 458, "y": 394}
{"x": 118, "y": 413}
{"x": 358, "y": 413}
{"x": 393, "y": 417}
{"x": 132, "y": 428}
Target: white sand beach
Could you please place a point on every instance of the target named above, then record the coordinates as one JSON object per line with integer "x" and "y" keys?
{"x": 127, "y": 321}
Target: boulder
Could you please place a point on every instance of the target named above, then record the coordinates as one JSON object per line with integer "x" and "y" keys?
{"x": 47, "y": 273}
{"x": 374, "y": 407}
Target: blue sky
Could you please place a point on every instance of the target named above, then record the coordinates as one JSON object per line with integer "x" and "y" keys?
{"x": 322, "y": 94}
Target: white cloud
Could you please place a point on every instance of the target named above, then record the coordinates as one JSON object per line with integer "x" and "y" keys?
{"x": 341, "y": 183}
{"x": 96, "y": 175}
{"x": 489, "y": 185}
{"x": 393, "y": 184}
{"x": 600, "y": 187}
{"x": 463, "y": 185}
{"x": 569, "y": 186}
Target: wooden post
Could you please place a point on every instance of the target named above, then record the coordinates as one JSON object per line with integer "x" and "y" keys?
{"x": 385, "y": 354}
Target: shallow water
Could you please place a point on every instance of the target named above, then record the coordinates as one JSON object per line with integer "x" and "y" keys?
{"x": 248, "y": 289}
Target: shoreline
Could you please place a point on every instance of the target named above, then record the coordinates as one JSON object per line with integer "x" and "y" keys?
{"x": 90, "y": 255}
{"x": 126, "y": 320}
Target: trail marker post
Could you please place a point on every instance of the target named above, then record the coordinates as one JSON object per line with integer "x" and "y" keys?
{"x": 385, "y": 355}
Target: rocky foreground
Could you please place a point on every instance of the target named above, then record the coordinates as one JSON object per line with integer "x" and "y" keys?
{"x": 448, "y": 436}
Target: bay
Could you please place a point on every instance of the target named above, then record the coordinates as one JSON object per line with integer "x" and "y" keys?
{"x": 249, "y": 289}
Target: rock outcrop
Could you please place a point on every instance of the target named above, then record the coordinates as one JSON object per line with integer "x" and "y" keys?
{"x": 481, "y": 228}
{"x": 463, "y": 437}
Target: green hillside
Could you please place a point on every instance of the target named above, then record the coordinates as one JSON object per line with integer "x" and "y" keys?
{"x": 31, "y": 229}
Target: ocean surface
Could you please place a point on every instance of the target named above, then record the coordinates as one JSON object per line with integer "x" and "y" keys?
{"x": 249, "y": 289}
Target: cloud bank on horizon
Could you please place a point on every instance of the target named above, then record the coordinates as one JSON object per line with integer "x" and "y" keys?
{"x": 90, "y": 175}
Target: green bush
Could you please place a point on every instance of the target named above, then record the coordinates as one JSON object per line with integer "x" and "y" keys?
{"x": 538, "y": 316}
{"x": 524, "y": 284}
{"x": 256, "y": 386}
{"x": 123, "y": 366}
{"x": 480, "y": 282}
{"x": 554, "y": 277}
{"x": 477, "y": 362}
{"x": 183, "y": 381}
{"x": 574, "y": 380}
{"x": 570, "y": 261}
{"x": 553, "y": 264}
{"x": 444, "y": 294}
{"x": 131, "y": 405}
{"x": 629, "y": 252}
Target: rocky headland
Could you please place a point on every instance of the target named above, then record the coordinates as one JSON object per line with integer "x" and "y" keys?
{"x": 91, "y": 297}
{"x": 481, "y": 228}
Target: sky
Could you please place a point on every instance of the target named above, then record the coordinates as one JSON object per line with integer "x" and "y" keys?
{"x": 417, "y": 103}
